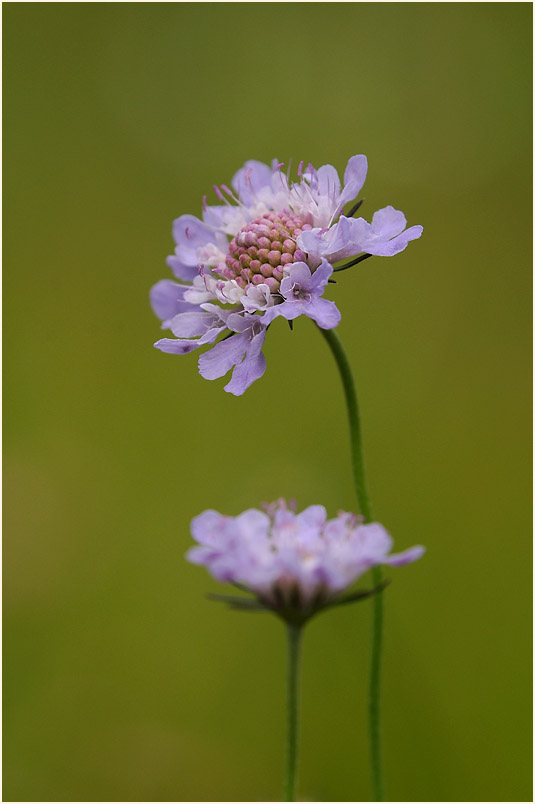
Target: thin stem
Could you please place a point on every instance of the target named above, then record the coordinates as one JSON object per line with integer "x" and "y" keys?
{"x": 374, "y": 691}
{"x": 292, "y": 712}
{"x": 353, "y": 262}
{"x": 359, "y": 477}
{"x": 357, "y": 458}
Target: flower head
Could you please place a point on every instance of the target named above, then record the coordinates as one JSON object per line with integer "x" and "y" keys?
{"x": 266, "y": 251}
{"x": 295, "y": 563}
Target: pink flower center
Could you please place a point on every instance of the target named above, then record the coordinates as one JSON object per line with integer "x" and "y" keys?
{"x": 262, "y": 249}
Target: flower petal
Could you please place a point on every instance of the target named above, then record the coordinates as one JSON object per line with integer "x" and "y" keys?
{"x": 288, "y": 309}
{"x": 257, "y": 297}
{"x": 192, "y": 324}
{"x": 227, "y": 218}
{"x": 314, "y": 242}
{"x": 378, "y": 237}
{"x": 251, "y": 178}
{"x": 406, "y": 557}
{"x": 208, "y": 527}
{"x": 240, "y": 322}
{"x": 181, "y": 269}
{"x": 354, "y": 178}
{"x": 328, "y": 181}
{"x": 251, "y": 369}
{"x": 388, "y": 222}
{"x": 319, "y": 279}
{"x": 299, "y": 274}
{"x": 220, "y": 359}
{"x": 324, "y": 312}
{"x": 253, "y": 524}
{"x": 183, "y": 346}
{"x": 397, "y": 244}
{"x": 191, "y": 232}
{"x": 200, "y": 290}
{"x": 315, "y": 516}
{"x": 167, "y": 300}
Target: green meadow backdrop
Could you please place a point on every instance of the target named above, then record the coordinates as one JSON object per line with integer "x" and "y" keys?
{"x": 121, "y": 680}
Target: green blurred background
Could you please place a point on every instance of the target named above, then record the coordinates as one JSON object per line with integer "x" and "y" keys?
{"x": 122, "y": 682}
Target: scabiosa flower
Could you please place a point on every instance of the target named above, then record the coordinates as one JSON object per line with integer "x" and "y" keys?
{"x": 267, "y": 250}
{"x": 295, "y": 563}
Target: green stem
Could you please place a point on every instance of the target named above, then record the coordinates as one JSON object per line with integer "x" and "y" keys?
{"x": 359, "y": 477}
{"x": 374, "y": 693}
{"x": 357, "y": 458}
{"x": 292, "y": 713}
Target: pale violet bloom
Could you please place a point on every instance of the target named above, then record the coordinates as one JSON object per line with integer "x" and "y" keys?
{"x": 167, "y": 300}
{"x": 243, "y": 351}
{"x": 193, "y": 329}
{"x": 295, "y": 563}
{"x": 384, "y": 237}
{"x": 267, "y": 250}
{"x": 302, "y": 292}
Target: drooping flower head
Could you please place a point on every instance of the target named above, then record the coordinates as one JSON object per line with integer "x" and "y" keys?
{"x": 295, "y": 563}
{"x": 266, "y": 251}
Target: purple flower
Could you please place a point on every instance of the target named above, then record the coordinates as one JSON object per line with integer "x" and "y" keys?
{"x": 242, "y": 350}
{"x": 266, "y": 251}
{"x": 292, "y": 561}
{"x": 200, "y": 326}
{"x": 302, "y": 291}
{"x": 384, "y": 237}
{"x": 167, "y": 300}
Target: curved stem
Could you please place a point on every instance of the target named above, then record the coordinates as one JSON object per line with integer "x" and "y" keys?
{"x": 353, "y": 262}
{"x": 292, "y": 712}
{"x": 357, "y": 457}
{"x": 359, "y": 477}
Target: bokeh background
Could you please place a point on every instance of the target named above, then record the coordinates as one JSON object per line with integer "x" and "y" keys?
{"x": 121, "y": 680}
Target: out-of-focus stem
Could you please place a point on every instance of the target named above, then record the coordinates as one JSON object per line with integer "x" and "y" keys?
{"x": 292, "y": 712}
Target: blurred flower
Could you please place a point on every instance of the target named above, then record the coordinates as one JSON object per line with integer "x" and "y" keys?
{"x": 266, "y": 251}
{"x": 295, "y": 563}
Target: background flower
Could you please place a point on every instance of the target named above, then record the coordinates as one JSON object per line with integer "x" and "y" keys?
{"x": 295, "y": 562}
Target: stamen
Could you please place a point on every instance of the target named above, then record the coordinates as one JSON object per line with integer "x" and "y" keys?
{"x": 231, "y": 194}
{"x": 289, "y": 170}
